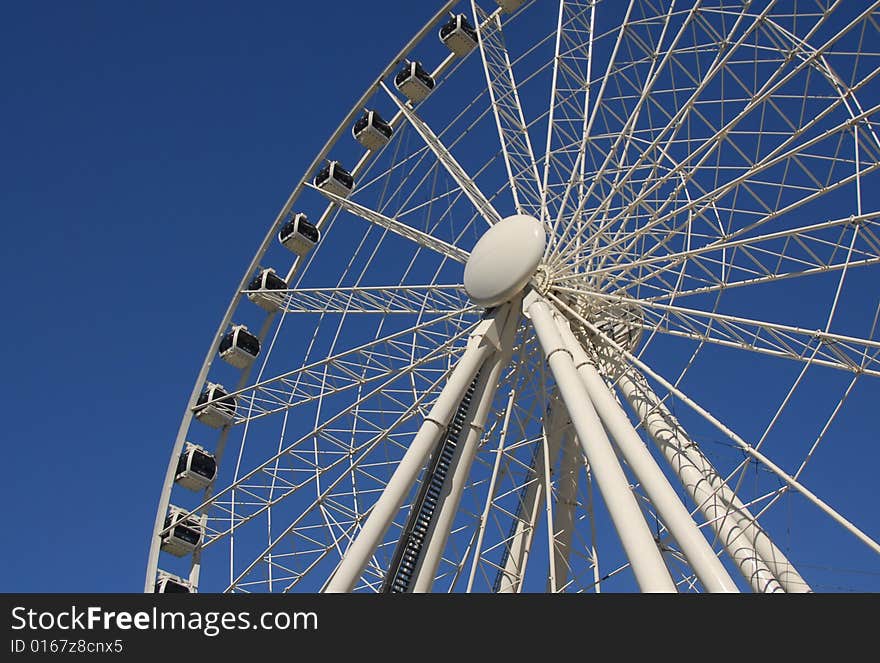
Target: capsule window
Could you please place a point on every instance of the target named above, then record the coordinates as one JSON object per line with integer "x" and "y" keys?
{"x": 203, "y": 464}
{"x": 362, "y": 123}
{"x": 308, "y": 230}
{"x": 226, "y": 343}
{"x": 414, "y": 70}
{"x": 248, "y": 342}
{"x": 423, "y": 75}
{"x": 381, "y": 125}
{"x": 217, "y": 396}
{"x": 261, "y": 287}
{"x": 267, "y": 280}
{"x": 402, "y": 76}
{"x": 457, "y": 24}
{"x": 171, "y": 586}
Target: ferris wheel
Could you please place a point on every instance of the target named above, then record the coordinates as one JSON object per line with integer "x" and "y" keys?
{"x": 581, "y": 296}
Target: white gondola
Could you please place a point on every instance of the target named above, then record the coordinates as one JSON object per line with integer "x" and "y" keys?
{"x": 196, "y": 468}
{"x": 264, "y": 290}
{"x": 299, "y": 235}
{"x": 459, "y": 35}
{"x": 215, "y": 408}
{"x": 335, "y": 179}
{"x": 414, "y": 82}
{"x": 239, "y": 347}
{"x": 167, "y": 583}
{"x": 372, "y": 131}
{"x": 184, "y": 534}
{"x": 509, "y": 6}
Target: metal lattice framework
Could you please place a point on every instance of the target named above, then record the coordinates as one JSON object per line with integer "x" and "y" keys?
{"x": 653, "y": 410}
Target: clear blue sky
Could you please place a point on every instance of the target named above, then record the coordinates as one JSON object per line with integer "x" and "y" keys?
{"x": 146, "y": 147}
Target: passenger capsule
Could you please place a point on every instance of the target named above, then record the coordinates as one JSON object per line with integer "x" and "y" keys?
{"x": 171, "y": 584}
{"x": 215, "y": 407}
{"x": 509, "y": 6}
{"x": 196, "y": 468}
{"x": 335, "y": 179}
{"x": 264, "y": 290}
{"x": 185, "y": 533}
{"x": 239, "y": 347}
{"x": 414, "y": 82}
{"x": 372, "y": 131}
{"x": 458, "y": 35}
{"x": 299, "y": 235}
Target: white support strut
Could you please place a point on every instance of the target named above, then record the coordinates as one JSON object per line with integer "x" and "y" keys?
{"x": 480, "y": 344}
{"x": 763, "y": 564}
{"x": 444, "y": 156}
{"x": 673, "y": 513}
{"x": 560, "y": 438}
{"x": 519, "y": 545}
{"x": 638, "y": 542}
{"x": 484, "y": 396}
{"x": 570, "y": 464}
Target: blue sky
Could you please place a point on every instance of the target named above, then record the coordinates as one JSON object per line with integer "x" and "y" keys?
{"x": 146, "y": 148}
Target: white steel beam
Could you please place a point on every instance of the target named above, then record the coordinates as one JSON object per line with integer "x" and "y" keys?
{"x": 765, "y": 566}
{"x": 484, "y": 397}
{"x": 480, "y": 345}
{"x": 672, "y": 512}
{"x": 520, "y": 544}
{"x": 397, "y": 227}
{"x": 491, "y": 493}
{"x": 570, "y": 465}
{"x": 444, "y": 156}
{"x": 635, "y": 535}
{"x": 558, "y": 433}
{"x": 736, "y": 439}
{"x": 516, "y": 147}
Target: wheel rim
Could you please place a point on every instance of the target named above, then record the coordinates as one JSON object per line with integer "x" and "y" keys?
{"x": 718, "y": 220}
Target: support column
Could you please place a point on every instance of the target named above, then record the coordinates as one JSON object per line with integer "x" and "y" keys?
{"x": 635, "y": 535}
{"x": 759, "y": 560}
{"x": 670, "y": 508}
{"x": 520, "y": 544}
{"x": 570, "y": 464}
{"x": 484, "y": 395}
{"x": 481, "y": 343}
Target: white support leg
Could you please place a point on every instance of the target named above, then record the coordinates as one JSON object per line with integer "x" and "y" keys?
{"x": 759, "y": 560}
{"x": 484, "y": 396}
{"x": 635, "y": 535}
{"x": 548, "y": 505}
{"x": 490, "y": 494}
{"x": 670, "y": 508}
{"x": 480, "y": 344}
{"x": 594, "y": 550}
{"x": 520, "y": 544}
{"x": 559, "y": 435}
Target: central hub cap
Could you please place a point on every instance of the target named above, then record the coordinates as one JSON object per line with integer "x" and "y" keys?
{"x": 504, "y": 260}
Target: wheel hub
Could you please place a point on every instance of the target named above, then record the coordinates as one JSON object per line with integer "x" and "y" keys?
{"x": 504, "y": 260}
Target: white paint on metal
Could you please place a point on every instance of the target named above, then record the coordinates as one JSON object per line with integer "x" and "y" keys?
{"x": 504, "y": 259}
{"x": 757, "y": 557}
{"x": 672, "y": 512}
{"x": 635, "y": 535}
{"x": 447, "y": 508}
{"x": 364, "y": 545}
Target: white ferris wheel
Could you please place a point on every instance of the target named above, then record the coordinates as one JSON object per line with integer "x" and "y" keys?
{"x": 580, "y": 296}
